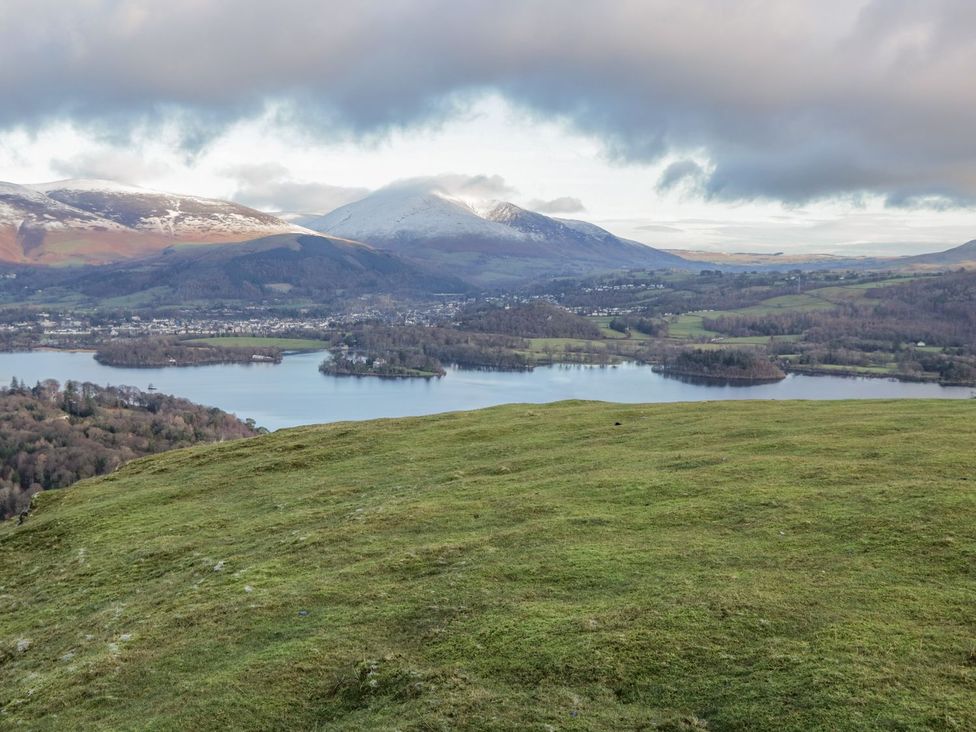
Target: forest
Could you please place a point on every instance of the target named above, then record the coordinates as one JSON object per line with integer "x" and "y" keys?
{"x": 52, "y": 436}
{"x": 535, "y": 319}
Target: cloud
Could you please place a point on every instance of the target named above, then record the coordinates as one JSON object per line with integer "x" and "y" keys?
{"x": 479, "y": 187}
{"x": 561, "y": 205}
{"x": 269, "y": 186}
{"x": 678, "y": 172}
{"x": 789, "y": 101}
{"x": 931, "y": 199}
{"x": 110, "y": 164}
{"x": 658, "y": 227}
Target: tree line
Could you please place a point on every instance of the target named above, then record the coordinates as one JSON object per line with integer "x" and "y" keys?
{"x": 536, "y": 319}
{"x": 429, "y": 346}
{"x": 165, "y": 351}
{"x": 52, "y": 436}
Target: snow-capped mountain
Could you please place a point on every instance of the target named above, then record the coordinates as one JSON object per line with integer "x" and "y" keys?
{"x": 491, "y": 243}
{"x": 394, "y": 214}
{"x": 100, "y": 221}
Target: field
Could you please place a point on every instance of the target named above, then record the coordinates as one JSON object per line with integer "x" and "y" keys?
{"x": 578, "y": 566}
{"x": 688, "y": 328}
{"x": 285, "y": 344}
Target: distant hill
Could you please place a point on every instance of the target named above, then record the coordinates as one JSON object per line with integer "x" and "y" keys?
{"x": 764, "y": 259}
{"x": 94, "y": 222}
{"x": 764, "y": 566}
{"x": 297, "y": 265}
{"x": 963, "y": 255}
{"x": 497, "y": 245}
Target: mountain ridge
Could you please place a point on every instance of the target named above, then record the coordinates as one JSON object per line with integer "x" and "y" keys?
{"x": 501, "y": 243}
{"x": 90, "y": 221}
{"x": 311, "y": 266}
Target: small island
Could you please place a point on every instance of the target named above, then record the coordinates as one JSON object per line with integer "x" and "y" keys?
{"x": 165, "y": 352}
{"x": 400, "y": 365}
{"x": 739, "y": 365}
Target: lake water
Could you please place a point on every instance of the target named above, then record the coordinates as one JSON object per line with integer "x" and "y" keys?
{"x": 294, "y": 392}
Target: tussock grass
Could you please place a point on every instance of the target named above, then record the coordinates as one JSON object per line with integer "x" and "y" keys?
{"x": 722, "y": 566}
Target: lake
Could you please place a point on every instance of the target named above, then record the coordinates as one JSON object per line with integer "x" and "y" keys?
{"x": 294, "y": 392}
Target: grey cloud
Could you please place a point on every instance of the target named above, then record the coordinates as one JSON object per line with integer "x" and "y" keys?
{"x": 561, "y": 205}
{"x": 932, "y": 199}
{"x": 269, "y": 186}
{"x": 679, "y": 171}
{"x": 791, "y": 101}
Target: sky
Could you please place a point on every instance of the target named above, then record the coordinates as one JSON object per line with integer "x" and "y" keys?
{"x": 838, "y": 126}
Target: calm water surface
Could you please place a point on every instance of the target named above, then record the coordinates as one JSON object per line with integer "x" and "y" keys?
{"x": 294, "y": 392}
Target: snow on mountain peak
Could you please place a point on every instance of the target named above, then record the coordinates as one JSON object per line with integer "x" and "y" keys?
{"x": 397, "y": 211}
{"x": 88, "y": 185}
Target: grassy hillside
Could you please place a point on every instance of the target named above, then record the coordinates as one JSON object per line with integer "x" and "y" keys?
{"x": 745, "y": 566}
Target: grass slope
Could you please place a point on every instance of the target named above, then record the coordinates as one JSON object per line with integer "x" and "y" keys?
{"x": 745, "y": 565}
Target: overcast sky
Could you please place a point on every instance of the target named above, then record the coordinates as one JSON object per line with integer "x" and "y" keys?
{"x": 758, "y": 125}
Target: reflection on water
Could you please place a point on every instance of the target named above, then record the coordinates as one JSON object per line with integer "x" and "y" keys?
{"x": 295, "y": 392}
{"x": 714, "y": 380}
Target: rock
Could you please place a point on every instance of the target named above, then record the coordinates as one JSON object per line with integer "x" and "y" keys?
{"x": 23, "y": 645}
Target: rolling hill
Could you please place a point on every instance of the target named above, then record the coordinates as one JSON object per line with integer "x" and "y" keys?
{"x": 94, "y": 222}
{"x": 497, "y": 245}
{"x": 723, "y": 566}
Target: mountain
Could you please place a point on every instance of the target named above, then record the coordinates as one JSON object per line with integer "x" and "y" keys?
{"x": 93, "y": 221}
{"x": 499, "y": 244}
{"x": 738, "y": 565}
{"x": 963, "y": 255}
{"x": 309, "y": 266}
{"x": 33, "y": 226}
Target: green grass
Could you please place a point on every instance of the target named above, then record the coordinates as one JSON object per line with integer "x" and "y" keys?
{"x": 689, "y": 325}
{"x": 603, "y": 321}
{"x": 806, "y": 302}
{"x": 756, "y": 565}
{"x": 287, "y": 344}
